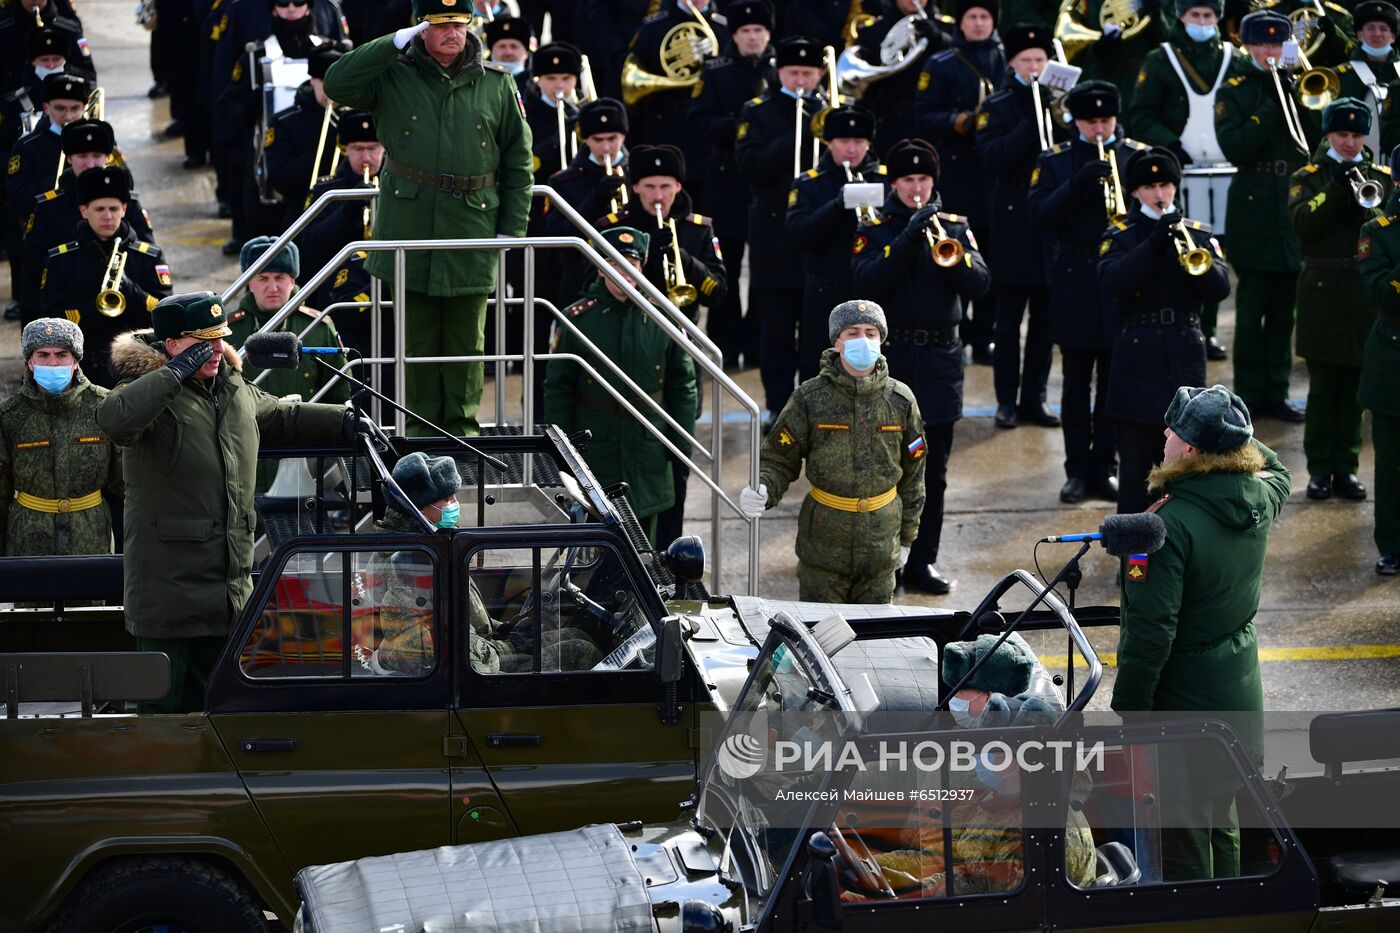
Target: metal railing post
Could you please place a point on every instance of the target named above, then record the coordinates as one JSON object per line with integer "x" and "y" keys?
{"x": 400, "y": 339}
{"x": 527, "y": 370}
{"x": 501, "y": 368}
{"x": 376, "y": 341}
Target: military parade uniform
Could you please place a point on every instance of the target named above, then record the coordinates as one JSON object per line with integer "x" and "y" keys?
{"x": 862, "y": 442}
{"x": 55, "y": 463}
{"x": 925, "y": 303}
{"x": 1068, "y": 206}
{"x": 1112, "y": 58}
{"x": 581, "y": 186}
{"x": 891, "y": 98}
{"x": 622, "y": 450}
{"x": 1335, "y": 313}
{"x": 606, "y": 28}
{"x": 1160, "y": 346}
{"x": 320, "y": 241}
{"x": 17, "y": 26}
{"x": 1379, "y": 249}
{"x": 702, "y": 265}
{"x": 724, "y": 87}
{"x": 289, "y": 147}
{"x": 72, "y": 277}
{"x": 1337, "y": 29}
{"x": 822, "y": 227}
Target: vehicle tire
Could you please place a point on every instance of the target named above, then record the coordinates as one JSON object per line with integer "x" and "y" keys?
{"x": 139, "y": 894}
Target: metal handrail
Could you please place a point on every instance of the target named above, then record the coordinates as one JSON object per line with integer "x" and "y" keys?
{"x": 602, "y": 254}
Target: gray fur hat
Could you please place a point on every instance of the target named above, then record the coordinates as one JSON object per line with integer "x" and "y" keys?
{"x": 1215, "y": 420}
{"x": 857, "y": 311}
{"x": 425, "y": 479}
{"x": 51, "y": 332}
{"x": 1008, "y": 671}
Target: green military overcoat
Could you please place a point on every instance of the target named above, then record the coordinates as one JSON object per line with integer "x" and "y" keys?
{"x": 469, "y": 122}
{"x": 1379, "y": 249}
{"x": 621, "y": 449}
{"x": 1160, "y": 107}
{"x": 1335, "y": 313}
{"x": 51, "y": 446}
{"x": 859, "y": 438}
{"x": 189, "y": 457}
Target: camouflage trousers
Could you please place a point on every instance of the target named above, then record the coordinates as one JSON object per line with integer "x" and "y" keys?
{"x": 818, "y": 585}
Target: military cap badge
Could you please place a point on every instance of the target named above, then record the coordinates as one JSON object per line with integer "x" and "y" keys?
{"x": 216, "y": 311}
{"x": 626, "y": 238}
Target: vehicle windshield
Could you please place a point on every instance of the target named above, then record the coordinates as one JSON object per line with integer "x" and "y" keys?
{"x": 758, "y": 803}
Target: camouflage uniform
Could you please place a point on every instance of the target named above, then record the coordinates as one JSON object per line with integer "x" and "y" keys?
{"x": 861, "y": 438}
{"x": 52, "y": 449}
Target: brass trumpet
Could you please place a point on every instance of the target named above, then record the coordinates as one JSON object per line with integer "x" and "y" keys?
{"x": 681, "y": 292}
{"x": 945, "y": 251}
{"x": 1317, "y": 87}
{"x": 1114, "y": 202}
{"x": 1368, "y": 192}
{"x": 110, "y": 300}
{"x": 618, "y": 203}
{"x": 1195, "y": 260}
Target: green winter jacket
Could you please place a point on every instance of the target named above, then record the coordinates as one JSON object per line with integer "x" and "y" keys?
{"x": 469, "y": 122}
{"x": 621, "y": 449}
{"x": 1335, "y": 313}
{"x": 859, "y": 438}
{"x": 1379, "y": 249}
{"x": 1160, "y": 107}
{"x": 309, "y": 376}
{"x": 1187, "y": 637}
{"x": 189, "y": 457}
{"x": 51, "y": 447}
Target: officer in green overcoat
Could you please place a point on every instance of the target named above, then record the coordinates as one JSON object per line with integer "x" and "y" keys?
{"x": 457, "y": 165}
{"x": 1379, "y": 249}
{"x": 621, "y": 448}
{"x": 54, "y": 459}
{"x": 861, "y": 436}
{"x": 1187, "y": 639}
{"x": 1263, "y": 252}
{"x": 1335, "y": 314}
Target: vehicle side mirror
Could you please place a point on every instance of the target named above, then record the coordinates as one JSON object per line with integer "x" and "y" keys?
{"x": 703, "y": 917}
{"x": 819, "y": 882}
{"x": 670, "y": 651}
{"x": 992, "y": 622}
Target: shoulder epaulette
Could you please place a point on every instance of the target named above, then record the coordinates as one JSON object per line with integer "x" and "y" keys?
{"x": 659, "y": 15}
{"x": 143, "y": 247}
{"x": 586, "y": 304}
{"x": 881, "y": 170}
{"x": 613, "y": 218}
{"x": 1134, "y": 144}
{"x": 1309, "y": 168}
{"x": 1236, "y": 81}
{"x": 1060, "y": 148}
{"x": 1198, "y": 226}
{"x": 311, "y": 312}
{"x": 811, "y": 173}
{"x": 719, "y": 62}
{"x": 1117, "y": 225}
{"x": 945, "y": 56}
{"x": 756, "y": 100}
{"x": 497, "y": 67}
{"x": 1387, "y": 220}
{"x": 1383, "y": 169}
{"x": 48, "y": 195}
{"x": 720, "y": 19}
{"x": 1343, "y": 68}
{"x": 63, "y": 248}
{"x": 700, "y": 220}
{"x": 951, "y": 218}
{"x": 874, "y": 220}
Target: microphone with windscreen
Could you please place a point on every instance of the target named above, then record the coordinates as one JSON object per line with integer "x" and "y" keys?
{"x": 1122, "y": 535}
{"x": 281, "y": 350}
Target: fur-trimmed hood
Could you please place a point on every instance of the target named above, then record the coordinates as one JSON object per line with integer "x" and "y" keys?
{"x": 1246, "y": 459}
{"x": 1228, "y": 486}
{"x": 138, "y": 352}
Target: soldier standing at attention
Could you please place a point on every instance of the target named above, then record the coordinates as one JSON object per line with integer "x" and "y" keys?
{"x": 861, "y": 436}
{"x": 622, "y": 450}
{"x": 1069, "y": 203}
{"x": 1249, "y": 126}
{"x": 424, "y": 84}
{"x": 54, "y": 459}
{"x": 1379, "y": 249}
{"x": 1335, "y": 314}
{"x": 893, "y": 259}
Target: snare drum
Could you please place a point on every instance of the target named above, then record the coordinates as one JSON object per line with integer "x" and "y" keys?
{"x": 1204, "y": 189}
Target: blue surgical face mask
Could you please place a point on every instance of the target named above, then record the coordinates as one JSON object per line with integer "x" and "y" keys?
{"x": 450, "y": 515}
{"x": 1337, "y": 156}
{"x": 986, "y": 775}
{"x": 1199, "y": 33}
{"x": 791, "y": 93}
{"x": 962, "y": 715}
{"x": 55, "y": 129}
{"x": 1381, "y": 52}
{"x": 861, "y": 353}
{"x": 41, "y": 72}
{"x": 1020, "y": 80}
{"x": 53, "y": 379}
{"x": 515, "y": 67}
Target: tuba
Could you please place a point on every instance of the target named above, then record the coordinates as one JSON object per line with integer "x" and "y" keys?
{"x": 684, "y": 49}
{"x": 1076, "y": 35}
{"x": 110, "y": 300}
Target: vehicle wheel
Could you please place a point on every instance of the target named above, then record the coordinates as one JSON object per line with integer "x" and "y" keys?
{"x": 171, "y": 894}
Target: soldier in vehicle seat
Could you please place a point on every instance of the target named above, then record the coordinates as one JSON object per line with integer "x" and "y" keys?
{"x": 405, "y": 626}
{"x": 988, "y": 848}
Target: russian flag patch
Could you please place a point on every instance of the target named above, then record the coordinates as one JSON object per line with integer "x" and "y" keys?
{"x": 163, "y": 273}
{"x": 917, "y": 448}
{"x": 1137, "y": 568}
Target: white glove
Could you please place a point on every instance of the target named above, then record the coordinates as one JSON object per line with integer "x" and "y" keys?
{"x": 752, "y": 501}
{"x": 404, "y": 36}
{"x": 903, "y": 555}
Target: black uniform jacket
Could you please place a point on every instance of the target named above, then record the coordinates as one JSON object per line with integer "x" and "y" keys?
{"x": 660, "y": 117}
{"x": 724, "y": 87}
{"x": 290, "y": 144}
{"x": 923, "y": 302}
{"x": 73, "y": 277}
{"x": 581, "y": 185}
{"x": 1073, "y": 224}
{"x": 822, "y": 227}
{"x": 700, "y": 258}
{"x": 950, "y": 84}
{"x": 335, "y": 226}
{"x": 1160, "y": 345}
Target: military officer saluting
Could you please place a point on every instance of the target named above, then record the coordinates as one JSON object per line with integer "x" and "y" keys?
{"x": 741, "y": 74}
{"x": 1249, "y": 125}
{"x": 925, "y": 268}
{"x": 622, "y": 450}
{"x": 1335, "y": 314}
{"x": 1379, "y": 249}
{"x": 858, "y": 431}
{"x": 105, "y": 252}
{"x": 1008, "y": 143}
{"x": 1158, "y": 292}
{"x": 771, "y": 142}
{"x": 822, "y": 226}
{"x": 1071, "y": 201}
{"x": 54, "y": 459}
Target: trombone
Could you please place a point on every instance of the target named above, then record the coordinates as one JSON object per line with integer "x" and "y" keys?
{"x": 567, "y": 148}
{"x": 799, "y": 112}
{"x": 620, "y": 201}
{"x": 1195, "y": 260}
{"x": 864, "y": 212}
{"x": 681, "y": 292}
{"x": 1113, "y": 199}
{"x": 1368, "y": 192}
{"x": 320, "y": 152}
{"x": 110, "y": 300}
{"x": 1044, "y": 130}
{"x": 945, "y": 251}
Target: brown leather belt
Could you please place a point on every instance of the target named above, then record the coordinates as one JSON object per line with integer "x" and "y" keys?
{"x": 455, "y": 185}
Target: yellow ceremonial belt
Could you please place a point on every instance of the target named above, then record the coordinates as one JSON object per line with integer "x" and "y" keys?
{"x": 39, "y": 504}
{"x": 847, "y": 504}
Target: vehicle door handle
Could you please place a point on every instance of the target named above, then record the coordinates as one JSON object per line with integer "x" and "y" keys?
{"x": 258, "y": 746}
{"x": 511, "y": 739}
